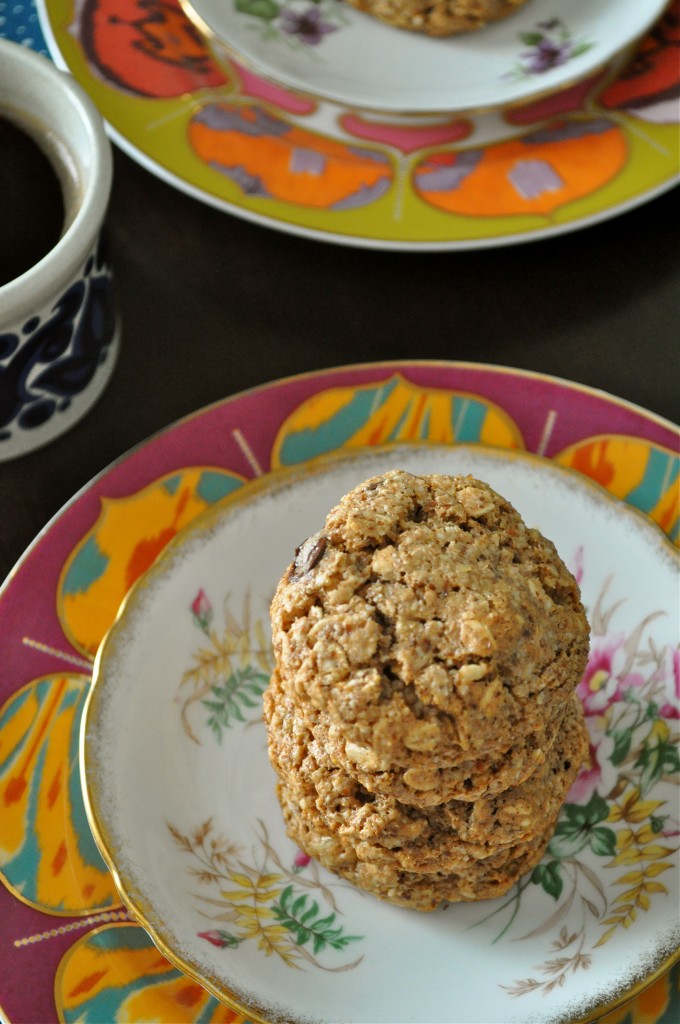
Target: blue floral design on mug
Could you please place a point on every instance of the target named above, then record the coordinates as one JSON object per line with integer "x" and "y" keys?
{"x": 51, "y": 359}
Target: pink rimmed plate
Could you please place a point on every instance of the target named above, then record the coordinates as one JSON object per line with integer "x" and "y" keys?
{"x": 61, "y": 921}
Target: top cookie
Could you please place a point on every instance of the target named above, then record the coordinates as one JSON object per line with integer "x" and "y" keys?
{"x": 427, "y": 618}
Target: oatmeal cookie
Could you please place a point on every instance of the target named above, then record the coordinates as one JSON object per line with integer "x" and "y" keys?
{"x": 439, "y": 17}
{"x": 426, "y": 786}
{"x": 449, "y": 838}
{"x": 477, "y": 879}
{"x": 421, "y": 784}
{"x": 341, "y": 804}
{"x": 426, "y": 617}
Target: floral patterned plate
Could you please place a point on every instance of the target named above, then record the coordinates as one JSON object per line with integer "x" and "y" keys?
{"x": 330, "y": 50}
{"x": 180, "y": 794}
{"x": 61, "y": 921}
{"x": 211, "y": 127}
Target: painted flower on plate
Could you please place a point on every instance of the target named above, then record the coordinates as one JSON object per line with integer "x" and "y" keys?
{"x": 308, "y": 25}
{"x": 291, "y": 22}
{"x": 202, "y": 610}
{"x": 549, "y": 46}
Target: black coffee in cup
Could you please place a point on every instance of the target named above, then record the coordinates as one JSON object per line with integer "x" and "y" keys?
{"x": 32, "y": 207}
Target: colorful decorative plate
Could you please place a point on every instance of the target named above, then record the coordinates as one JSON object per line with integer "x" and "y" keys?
{"x": 333, "y": 51}
{"x": 61, "y": 921}
{"x": 181, "y": 796}
{"x": 273, "y": 155}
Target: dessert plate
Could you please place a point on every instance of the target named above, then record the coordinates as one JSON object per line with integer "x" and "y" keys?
{"x": 61, "y": 921}
{"x": 180, "y": 794}
{"x": 211, "y": 127}
{"x": 330, "y": 50}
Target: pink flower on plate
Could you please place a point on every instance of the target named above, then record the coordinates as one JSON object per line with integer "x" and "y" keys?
{"x": 605, "y": 680}
{"x": 202, "y": 610}
{"x": 301, "y": 861}
{"x": 221, "y": 939}
{"x": 598, "y": 776}
{"x": 213, "y": 936}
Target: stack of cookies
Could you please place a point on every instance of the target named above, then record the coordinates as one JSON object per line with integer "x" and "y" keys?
{"x": 421, "y": 717}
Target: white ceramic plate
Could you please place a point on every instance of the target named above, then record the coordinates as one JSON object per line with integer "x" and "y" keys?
{"x": 180, "y": 793}
{"x": 331, "y": 50}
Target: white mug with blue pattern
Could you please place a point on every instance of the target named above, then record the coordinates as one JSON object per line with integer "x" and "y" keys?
{"x": 59, "y": 329}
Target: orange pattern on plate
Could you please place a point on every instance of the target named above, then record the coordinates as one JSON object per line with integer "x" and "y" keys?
{"x": 100, "y": 979}
{"x": 269, "y": 158}
{"x": 535, "y": 174}
{"x": 47, "y": 855}
{"x": 146, "y": 47}
{"x": 128, "y": 535}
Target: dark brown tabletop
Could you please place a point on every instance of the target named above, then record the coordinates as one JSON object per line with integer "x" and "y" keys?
{"x": 212, "y": 304}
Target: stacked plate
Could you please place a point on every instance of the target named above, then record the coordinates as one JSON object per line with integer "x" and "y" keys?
{"x": 331, "y": 51}
{"x": 312, "y": 117}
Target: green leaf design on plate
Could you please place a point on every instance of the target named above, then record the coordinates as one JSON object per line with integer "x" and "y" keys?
{"x": 656, "y": 759}
{"x": 549, "y": 878}
{"x": 267, "y": 10}
{"x": 579, "y": 827}
{"x": 531, "y": 38}
{"x": 241, "y": 690}
{"x": 301, "y": 918}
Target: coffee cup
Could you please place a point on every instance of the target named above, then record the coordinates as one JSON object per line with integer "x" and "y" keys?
{"x": 59, "y": 328}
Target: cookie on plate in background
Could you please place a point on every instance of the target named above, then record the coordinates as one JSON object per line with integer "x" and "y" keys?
{"x": 439, "y": 17}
